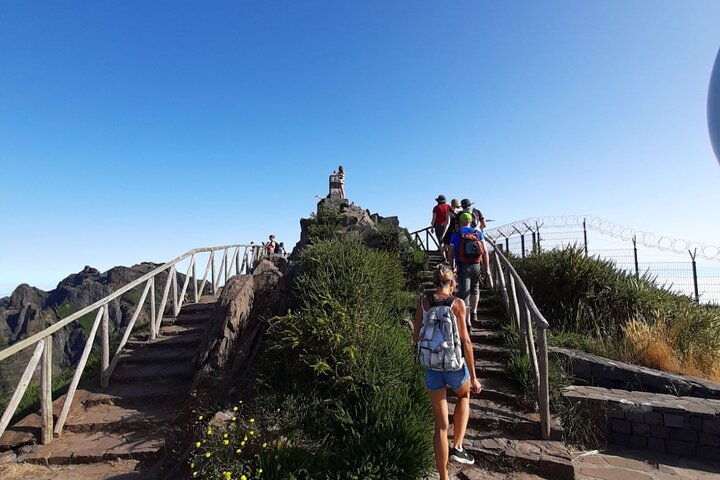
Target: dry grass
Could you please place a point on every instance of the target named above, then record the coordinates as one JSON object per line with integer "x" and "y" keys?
{"x": 658, "y": 345}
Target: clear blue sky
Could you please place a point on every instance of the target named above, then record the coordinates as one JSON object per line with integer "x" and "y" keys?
{"x": 137, "y": 130}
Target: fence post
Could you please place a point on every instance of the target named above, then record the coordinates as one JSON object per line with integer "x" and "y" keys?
{"x": 522, "y": 244}
{"x": 507, "y": 245}
{"x": 195, "y": 286}
{"x": 537, "y": 229}
{"x": 153, "y": 318}
{"x": 105, "y": 344}
{"x": 637, "y": 270}
{"x": 46, "y": 410}
{"x": 694, "y": 266}
{"x": 534, "y": 242}
{"x": 585, "y": 237}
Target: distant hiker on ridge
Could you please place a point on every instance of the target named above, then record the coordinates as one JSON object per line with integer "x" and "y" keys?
{"x": 341, "y": 179}
{"x": 270, "y": 245}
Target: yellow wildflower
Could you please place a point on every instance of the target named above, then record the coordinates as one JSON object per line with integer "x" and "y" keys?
{"x": 259, "y": 471}
{"x": 242, "y": 444}
{"x": 252, "y": 420}
{"x": 235, "y": 409}
{"x": 234, "y": 418}
{"x": 238, "y": 450}
{"x": 200, "y": 417}
{"x": 226, "y": 442}
{"x": 197, "y": 444}
{"x": 210, "y": 431}
{"x": 265, "y": 445}
{"x": 243, "y": 477}
{"x": 252, "y": 432}
{"x": 225, "y": 435}
{"x": 194, "y": 474}
{"x": 208, "y": 454}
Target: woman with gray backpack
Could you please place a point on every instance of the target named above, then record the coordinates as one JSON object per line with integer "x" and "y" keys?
{"x": 445, "y": 351}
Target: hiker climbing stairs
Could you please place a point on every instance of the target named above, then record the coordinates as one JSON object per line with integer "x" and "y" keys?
{"x": 127, "y": 420}
{"x": 502, "y": 435}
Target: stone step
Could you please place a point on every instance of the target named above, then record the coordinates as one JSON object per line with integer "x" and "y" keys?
{"x": 485, "y": 351}
{"x": 187, "y": 319}
{"x": 174, "y": 341}
{"x": 128, "y": 394}
{"x": 497, "y": 417}
{"x": 170, "y": 330}
{"x": 115, "y": 418}
{"x": 547, "y": 458}
{"x": 179, "y": 354}
{"x": 202, "y": 306}
{"x": 159, "y": 372}
{"x": 489, "y": 368}
{"x": 500, "y": 390}
{"x": 485, "y": 336}
{"x": 96, "y": 447}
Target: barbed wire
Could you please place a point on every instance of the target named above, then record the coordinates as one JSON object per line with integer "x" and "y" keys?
{"x": 612, "y": 229}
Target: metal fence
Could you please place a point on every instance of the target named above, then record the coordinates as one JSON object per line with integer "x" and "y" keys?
{"x": 680, "y": 272}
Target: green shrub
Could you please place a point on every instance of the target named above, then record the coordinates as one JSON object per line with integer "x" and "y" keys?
{"x": 348, "y": 352}
{"x": 594, "y": 306}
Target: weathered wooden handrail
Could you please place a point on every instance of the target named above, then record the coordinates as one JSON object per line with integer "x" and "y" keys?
{"x": 43, "y": 339}
{"x": 522, "y": 310}
{"x": 429, "y": 235}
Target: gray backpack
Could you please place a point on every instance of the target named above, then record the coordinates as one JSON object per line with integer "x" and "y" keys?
{"x": 439, "y": 345}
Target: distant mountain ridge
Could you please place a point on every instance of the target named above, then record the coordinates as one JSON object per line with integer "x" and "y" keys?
{"x": 28, "y": 310}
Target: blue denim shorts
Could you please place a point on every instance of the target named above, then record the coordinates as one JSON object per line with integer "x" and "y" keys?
{"x": 435, "y": 380}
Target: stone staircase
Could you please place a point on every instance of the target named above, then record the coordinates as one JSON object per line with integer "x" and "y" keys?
{"x": 127, "y": 420}
{"x": 504, "y": 438}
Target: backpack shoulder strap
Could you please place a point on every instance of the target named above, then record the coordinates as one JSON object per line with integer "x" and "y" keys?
{"x": 431, "y": 299}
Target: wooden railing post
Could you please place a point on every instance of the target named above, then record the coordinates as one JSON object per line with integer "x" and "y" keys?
{"x": 153, "y": 318}
{"x": 22, "y": 386}
{"x": 194, "y": 282}
{"x": 105, "y": 359}
{"x": 78, "y": 373}
{"x": 544, "y": 394}
{"x": 212, "y": 276}
{"x": 46, "y": 410}
{"x": 175, "y": 304}
{"x": 516, "y": 314}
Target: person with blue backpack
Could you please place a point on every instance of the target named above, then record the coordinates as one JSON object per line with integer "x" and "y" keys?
{"x": 472, "y": 261}
{"x": 445, "y": 352}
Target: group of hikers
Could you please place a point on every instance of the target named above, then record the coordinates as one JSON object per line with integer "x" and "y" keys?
{"x": 274, "y": 248}
{"x": 442, "y": 323}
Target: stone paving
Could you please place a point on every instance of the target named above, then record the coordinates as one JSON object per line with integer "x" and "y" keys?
{"x": 617, "y": 464}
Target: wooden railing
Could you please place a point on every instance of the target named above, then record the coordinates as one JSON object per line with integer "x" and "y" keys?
{"x": 427, "y": 234}
{"x": 523, "y": 312}
{"x": 239, "y": 258}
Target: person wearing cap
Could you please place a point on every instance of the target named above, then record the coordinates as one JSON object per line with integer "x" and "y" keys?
{"x": 441, "y": 220}
{"x": 470, "y": 275}
{"x": 478, "y": 221}
{"x": 455, "y": 211}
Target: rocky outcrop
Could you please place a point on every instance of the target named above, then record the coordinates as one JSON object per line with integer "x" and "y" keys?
{"x": 354, "y": 220}
{"x": 234, "y": 336}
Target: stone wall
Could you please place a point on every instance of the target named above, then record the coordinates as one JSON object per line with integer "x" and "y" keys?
{"x": 601, "y": 372}
{"x": 685, "y": 426}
